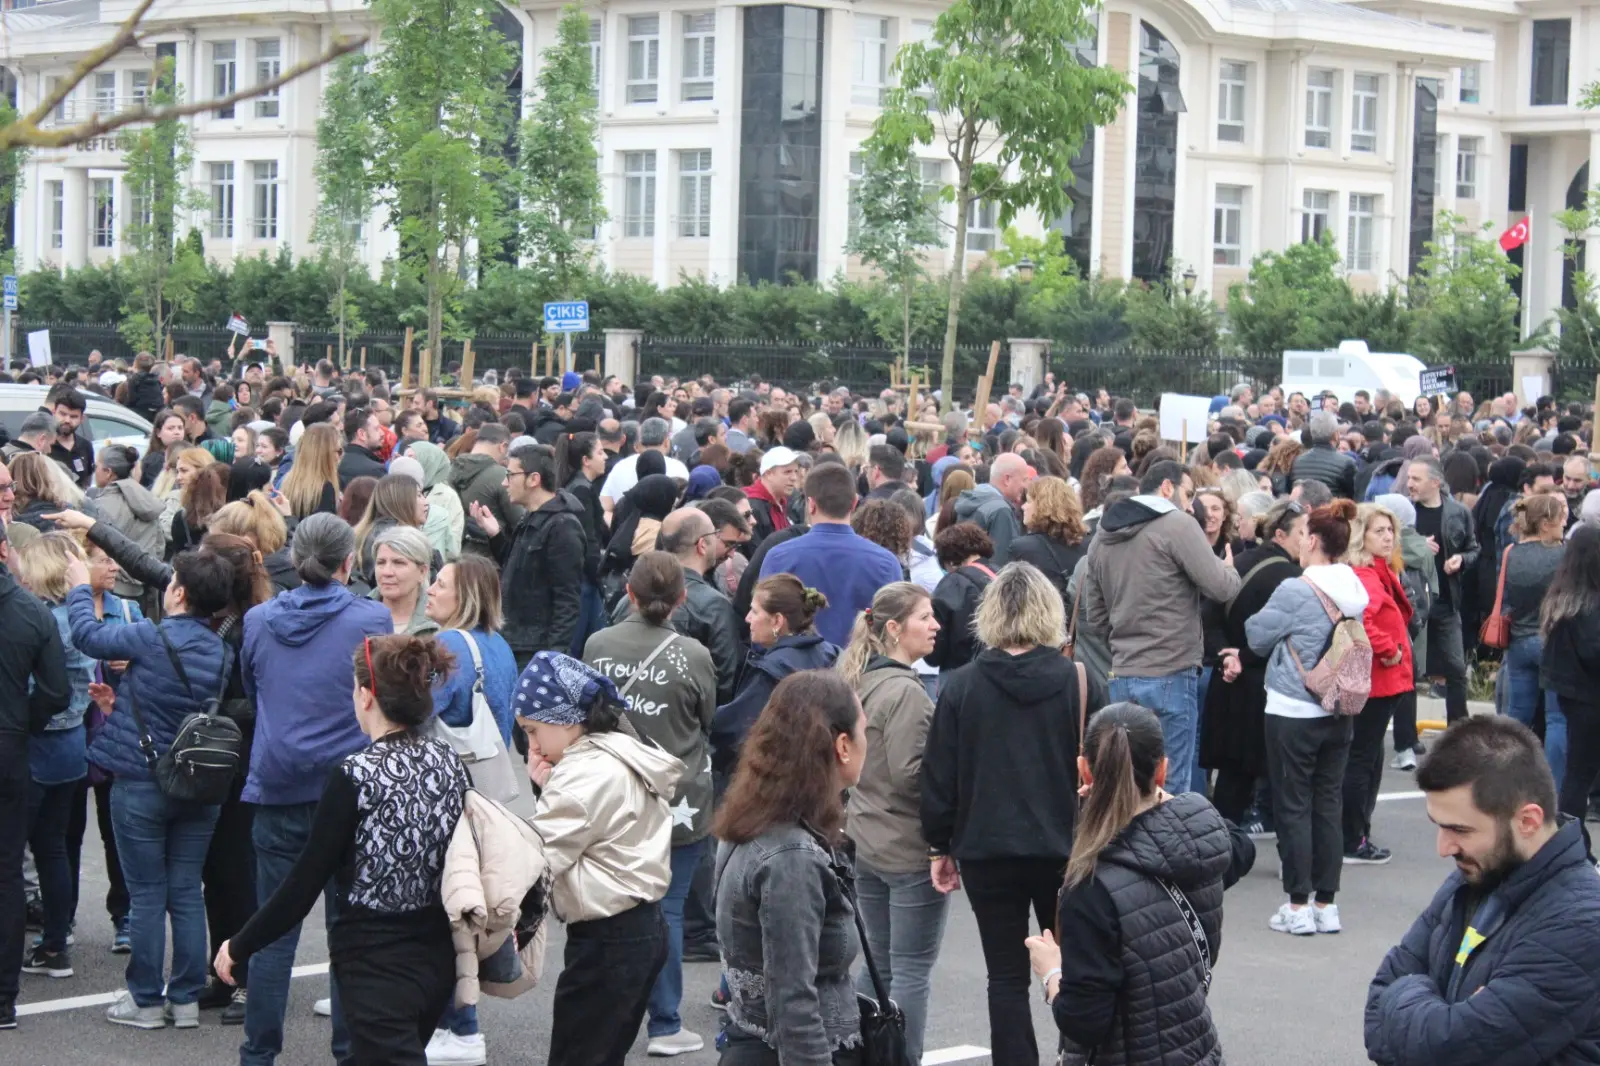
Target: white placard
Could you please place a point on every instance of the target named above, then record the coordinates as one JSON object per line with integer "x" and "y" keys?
{"x": 39, "y": 348}
{"x": 1533, "y": 387}
{"x": 1182, "y": 414}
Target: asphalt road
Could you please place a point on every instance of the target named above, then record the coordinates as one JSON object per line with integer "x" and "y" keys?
{"x": 1276, "y": 998}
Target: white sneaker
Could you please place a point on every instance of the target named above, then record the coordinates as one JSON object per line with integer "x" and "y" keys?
{"x": 448, "y": 1049}
{"x": 680, "y": 1043}
{"x": 1298, "y": 922}
{"x": 323, "y": 1008}
{"x": 1326, "y": 919}
{"x": 124, "y": 1011}
{"x": 1404, "y": 760}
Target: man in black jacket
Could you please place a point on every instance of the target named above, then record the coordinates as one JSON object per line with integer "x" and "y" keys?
{"x": 542, "y": 559}
{"x": 705, "y": 615}
{"x": 146, "y": 395}
{"x": 1447, "y": 526}
{"x": 363, "y": 436}
{"x": 31, "y": 651}
{"x": 1322, "y": 461}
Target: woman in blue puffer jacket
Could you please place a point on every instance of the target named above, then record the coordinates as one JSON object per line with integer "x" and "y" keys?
{"x": 161, "y": 842}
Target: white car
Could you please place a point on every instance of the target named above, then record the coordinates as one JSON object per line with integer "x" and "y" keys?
{"x": 104, "y": 421}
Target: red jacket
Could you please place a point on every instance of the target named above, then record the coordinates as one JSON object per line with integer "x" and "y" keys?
{"x": 1387, "y": 612}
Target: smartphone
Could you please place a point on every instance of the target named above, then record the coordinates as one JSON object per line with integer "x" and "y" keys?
{"x": 259, "y": 346}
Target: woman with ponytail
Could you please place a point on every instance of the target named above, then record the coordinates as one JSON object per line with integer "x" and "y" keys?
{"x": 380, "y": 833}
{"x": 903, "y": 912}
{"x": 1138, "y": 852}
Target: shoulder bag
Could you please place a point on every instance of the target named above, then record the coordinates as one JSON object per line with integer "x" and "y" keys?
{"x": 638, "y": 671}
{"x": 205, "y": 757}
{"x": 478, "y": 743}
{"x": 1496, "y": 629}
{"x": 883, "y": 1023}
{"x": 1201, "y": 942}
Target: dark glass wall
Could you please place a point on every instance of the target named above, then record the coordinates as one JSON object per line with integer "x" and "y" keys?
{"x": 1424, "y": 161}
{"x": 1077, "y": 225}
{"x": 780, "y": 147}
{"x": 1573, "y": 259}
{"x": 1156, "y": 161}
{"x": 1552, "y": 56}
{"x": 1517, "y": 200}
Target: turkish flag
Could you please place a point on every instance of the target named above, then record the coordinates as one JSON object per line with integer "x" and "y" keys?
{"x": 1516, "y": 236}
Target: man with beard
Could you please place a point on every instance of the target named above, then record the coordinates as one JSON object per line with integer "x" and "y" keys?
{"x": 1503, "y": 965}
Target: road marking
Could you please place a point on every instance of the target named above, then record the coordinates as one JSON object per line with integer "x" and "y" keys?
{"x": 959, "y": 1053}
{"x": 105, "y": 999}
{"x": 1400, "y": 795}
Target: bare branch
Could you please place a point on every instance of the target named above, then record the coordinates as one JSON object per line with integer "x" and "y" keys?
{"x": 127, "y": 36}
{"x": 25, "y": 132}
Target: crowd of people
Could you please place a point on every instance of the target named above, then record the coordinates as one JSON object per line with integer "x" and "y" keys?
{"x": 782, "y": 672}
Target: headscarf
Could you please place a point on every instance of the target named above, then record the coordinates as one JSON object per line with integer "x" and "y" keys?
{"x": 410, "y": 468}
{"x": 702, "y": 479}
{"x": 653, "y": 497}
{"x": 557, "y": 689}
{"x": 1504, "y": 476}
{"x": 650, "y": 462}
{"x": 1589, "y": 511}
{"x": 435, "y": 463}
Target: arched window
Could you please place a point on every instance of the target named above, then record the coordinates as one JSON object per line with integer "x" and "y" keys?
{"x": 1156, "y": 161}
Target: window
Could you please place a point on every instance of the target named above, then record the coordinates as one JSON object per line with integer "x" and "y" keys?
{"x": 1358, "y": 252}
{"x": 103, "y": 212}
{"x": 264, "y": 205}
{"x": 58, "y": 211}
{"x": 105, "y": 93}
{"x": 1471, "y": 78}
{"x": 1314, "y": 220}
{"x": 222, "y": 200}
{"x": 594, "y": 54}
{"x": 51, "y": 84}
{"x": 1467, "y": 168}
{"x": 224, "y": 74}
{"x": 141, "y": 212}
{"x": 858, "y": 169}
{"x": 638, "y": 193}
{"x": 269, "y": 64}
{"x": 981, "y": 215}
{"x": 1364, "y": 113}
{"x": 694, "y": 193}
{"x": 644, "y": 58}
{"x": 1552, "y": 47}
{"x": 139, "y": 87}
{"x": 1319, "y": 109}
{"x": 871, "y": 60}
{"x": 1227, "y": 225}
{"x": 1230, "y": 103}
{"x": 699, "y": 55}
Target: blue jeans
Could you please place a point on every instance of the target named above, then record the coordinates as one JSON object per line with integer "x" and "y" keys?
{"x": 279, "y": 834}
{"x": 462, "y": 1021}
{"x": 1522, "y": 701}
{"x": 1174, "y": 699}
{"x": 667, "y": 993}
{"x": 905, "y": 916}
{"x": 49, "y": 811}
{"x": 1197, "y": 773}
{"x": 162, "y": 846}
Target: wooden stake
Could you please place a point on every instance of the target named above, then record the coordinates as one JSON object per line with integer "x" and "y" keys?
{"x": 533, "y": 361}
{"x": 994, "y": 360}
{"x": 911, "y": 401}
{"x": 363, "y": 357}
{"x": 1183, "y": 445}
{"x": 549, "y": 361}
{"x": 597, "y": 367}
{"x": 169, "y": 346}
{"x": 467, "y": 359}
{"x": 405, "y": 358}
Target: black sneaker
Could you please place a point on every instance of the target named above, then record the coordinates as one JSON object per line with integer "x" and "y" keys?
{"x": 215, "y": 995}
{"x": 1367, "y": 854}
{"x": 233, "y": 1013}
{"x": 48, "y": 963}
{"x": 702, "y": 951}
{"x": 8, "y": 1016}
{"x": 35, "y": 918}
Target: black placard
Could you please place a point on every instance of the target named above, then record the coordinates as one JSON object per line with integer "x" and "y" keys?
{"x": 1437, "y": 380}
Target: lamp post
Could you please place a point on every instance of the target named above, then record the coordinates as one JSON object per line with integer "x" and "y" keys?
{"x": 1189, "y": 278}
{"x": 1025, "y": 270}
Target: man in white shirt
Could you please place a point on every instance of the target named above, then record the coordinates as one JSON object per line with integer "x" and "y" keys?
{"x": 654, "y": 433}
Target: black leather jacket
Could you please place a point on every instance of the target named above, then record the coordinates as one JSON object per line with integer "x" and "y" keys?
{"x": 1335, "y": 469}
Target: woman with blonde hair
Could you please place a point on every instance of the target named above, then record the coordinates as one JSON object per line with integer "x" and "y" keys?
{"x": 1055, "y": 539}
{"x": 850, "y": 442}
{"x": 203, "y": 493}
{"x": 42, "y": 487}
{"x": 1530, "y": 566}
{"x": 1000, "y": 785}
{"x": 903, "y": 913}
{"x": 822, "y": 426}
{"x": 957, "y": 479}
{"x": 312, "y": 485}
{"x": 397, "y": 500}
{"x": 402, "y": 558}
{"x": 256, "y": 519}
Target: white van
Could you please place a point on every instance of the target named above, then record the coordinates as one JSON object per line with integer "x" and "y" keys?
{"x": 1349, "y": 367}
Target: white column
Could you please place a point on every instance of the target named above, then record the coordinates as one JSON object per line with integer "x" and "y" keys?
{"x": 666, "y": 190}
{"x": 1592, "y": 241}
{"x": 74, "y": 217}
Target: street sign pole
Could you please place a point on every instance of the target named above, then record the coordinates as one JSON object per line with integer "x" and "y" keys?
{"x": 9, "y": 287}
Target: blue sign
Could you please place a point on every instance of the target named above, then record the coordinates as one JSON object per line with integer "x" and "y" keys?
{"x": 570, "y": 316}
{"x": 11, "y": 292}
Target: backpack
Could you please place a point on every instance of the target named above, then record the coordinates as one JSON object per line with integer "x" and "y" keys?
{"x": 207, "y": 753}
{"x": 1342, "y": 678}
{"x": 1415, "y": 582}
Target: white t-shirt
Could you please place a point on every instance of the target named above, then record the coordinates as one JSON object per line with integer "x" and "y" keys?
{"x": 625, "y": 475}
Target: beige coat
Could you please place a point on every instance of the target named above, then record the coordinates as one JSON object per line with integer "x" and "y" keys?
{"x": 606, "y": 826}
{"x": 494, "y": 860}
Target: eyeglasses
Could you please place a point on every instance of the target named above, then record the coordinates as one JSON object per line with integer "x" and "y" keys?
{"x": 10, "y": 486}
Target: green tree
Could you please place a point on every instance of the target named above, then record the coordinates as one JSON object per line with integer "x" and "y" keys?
{"x": 1580, "y": 324}
{"x": 560, "y": 180}
{"x": 1464, "y": 308}
{"x": 1165, "y": 318}
{"x": 1000, "y": 85}
{"x": 163, "y": 280}
{"x": 345, "y": 142}
{"x": 1289, "y": 299}
{"x": 895, "y": 220}
{"x": 441, "y": 118}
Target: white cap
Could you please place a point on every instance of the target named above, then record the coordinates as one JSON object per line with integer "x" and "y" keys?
{"x": 777, "y": 457}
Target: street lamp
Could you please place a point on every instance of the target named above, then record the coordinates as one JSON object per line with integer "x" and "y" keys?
{"x": 1189, "y": 278}
{"x": 1025, "y": 270}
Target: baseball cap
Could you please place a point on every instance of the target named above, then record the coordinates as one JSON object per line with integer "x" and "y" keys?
{"x": 779, "y": 456}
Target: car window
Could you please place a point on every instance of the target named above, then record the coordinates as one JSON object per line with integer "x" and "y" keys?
{"x": 101, "y": 427}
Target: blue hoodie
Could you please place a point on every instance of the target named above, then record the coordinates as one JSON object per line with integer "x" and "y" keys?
{"x": 297, "y": 668}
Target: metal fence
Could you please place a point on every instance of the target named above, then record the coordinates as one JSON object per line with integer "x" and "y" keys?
{"x": 858, "y": 367}
{"x": 1143, "y": 375}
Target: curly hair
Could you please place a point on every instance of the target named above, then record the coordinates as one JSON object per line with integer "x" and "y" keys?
{"x": 961, "y": 542}
{"x": 1056, "y": 511}
{"x": 885, "y": 524}
{"x": 1280, "y": 457}
{"x": 1096, "y": 474}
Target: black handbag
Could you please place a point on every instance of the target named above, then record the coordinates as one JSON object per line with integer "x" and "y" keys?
{"x": 883, "y": 1023}
{"x": 206, "y": 755}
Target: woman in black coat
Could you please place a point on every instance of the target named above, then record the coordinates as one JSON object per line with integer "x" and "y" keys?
{"x": 963, "y": 552}
{"x": 1233, "y": 728}
{"x": 1055, "y": 539}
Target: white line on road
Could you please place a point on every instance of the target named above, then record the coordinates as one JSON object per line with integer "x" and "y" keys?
{"x": 959, "y": 1053}
{"x": 1400, "y": 795}
{"x": 104, "y": 999}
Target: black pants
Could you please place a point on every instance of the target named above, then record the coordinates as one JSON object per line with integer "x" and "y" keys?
{"x": 1583, "y": 759}
{"x": 1363, "y": 773}
{"x": 608, "y": 969}
{"x": 229, "y": 877}
{"x": 1447, "y": 659}
{"x": 741, "y": 1049}
{"x": 1232, "y": 793}
{"x": 13, "y": 834}
{"x": 392, "y": 997}
{"x": 700, "y": 908}
{"x": 1405, "y": 724}
{"x": 1002, "y": 892}
{"x": 1306, "y": 758}
{"x": 117, "y": 889}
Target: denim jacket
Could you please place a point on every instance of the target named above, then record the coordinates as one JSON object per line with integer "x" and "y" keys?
{"x": 788, "y": 941}
{"x": 58, "y": 755}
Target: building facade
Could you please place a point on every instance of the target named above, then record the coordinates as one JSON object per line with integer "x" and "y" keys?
{"x": 730, "y": 133}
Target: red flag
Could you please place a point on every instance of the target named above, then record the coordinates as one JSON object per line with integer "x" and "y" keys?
{"x": 1516, "y": 236}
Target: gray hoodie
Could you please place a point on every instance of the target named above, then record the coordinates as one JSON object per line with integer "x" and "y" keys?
{"x": 1294, "y": 616}
{"x": 988, "y": 509}
{"x": 136, "y": 513}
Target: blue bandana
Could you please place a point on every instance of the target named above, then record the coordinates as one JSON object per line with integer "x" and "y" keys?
{"x": 559, "y": 690}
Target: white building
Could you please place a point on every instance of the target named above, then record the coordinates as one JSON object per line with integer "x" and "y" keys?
{"x": 729, "y": 132}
